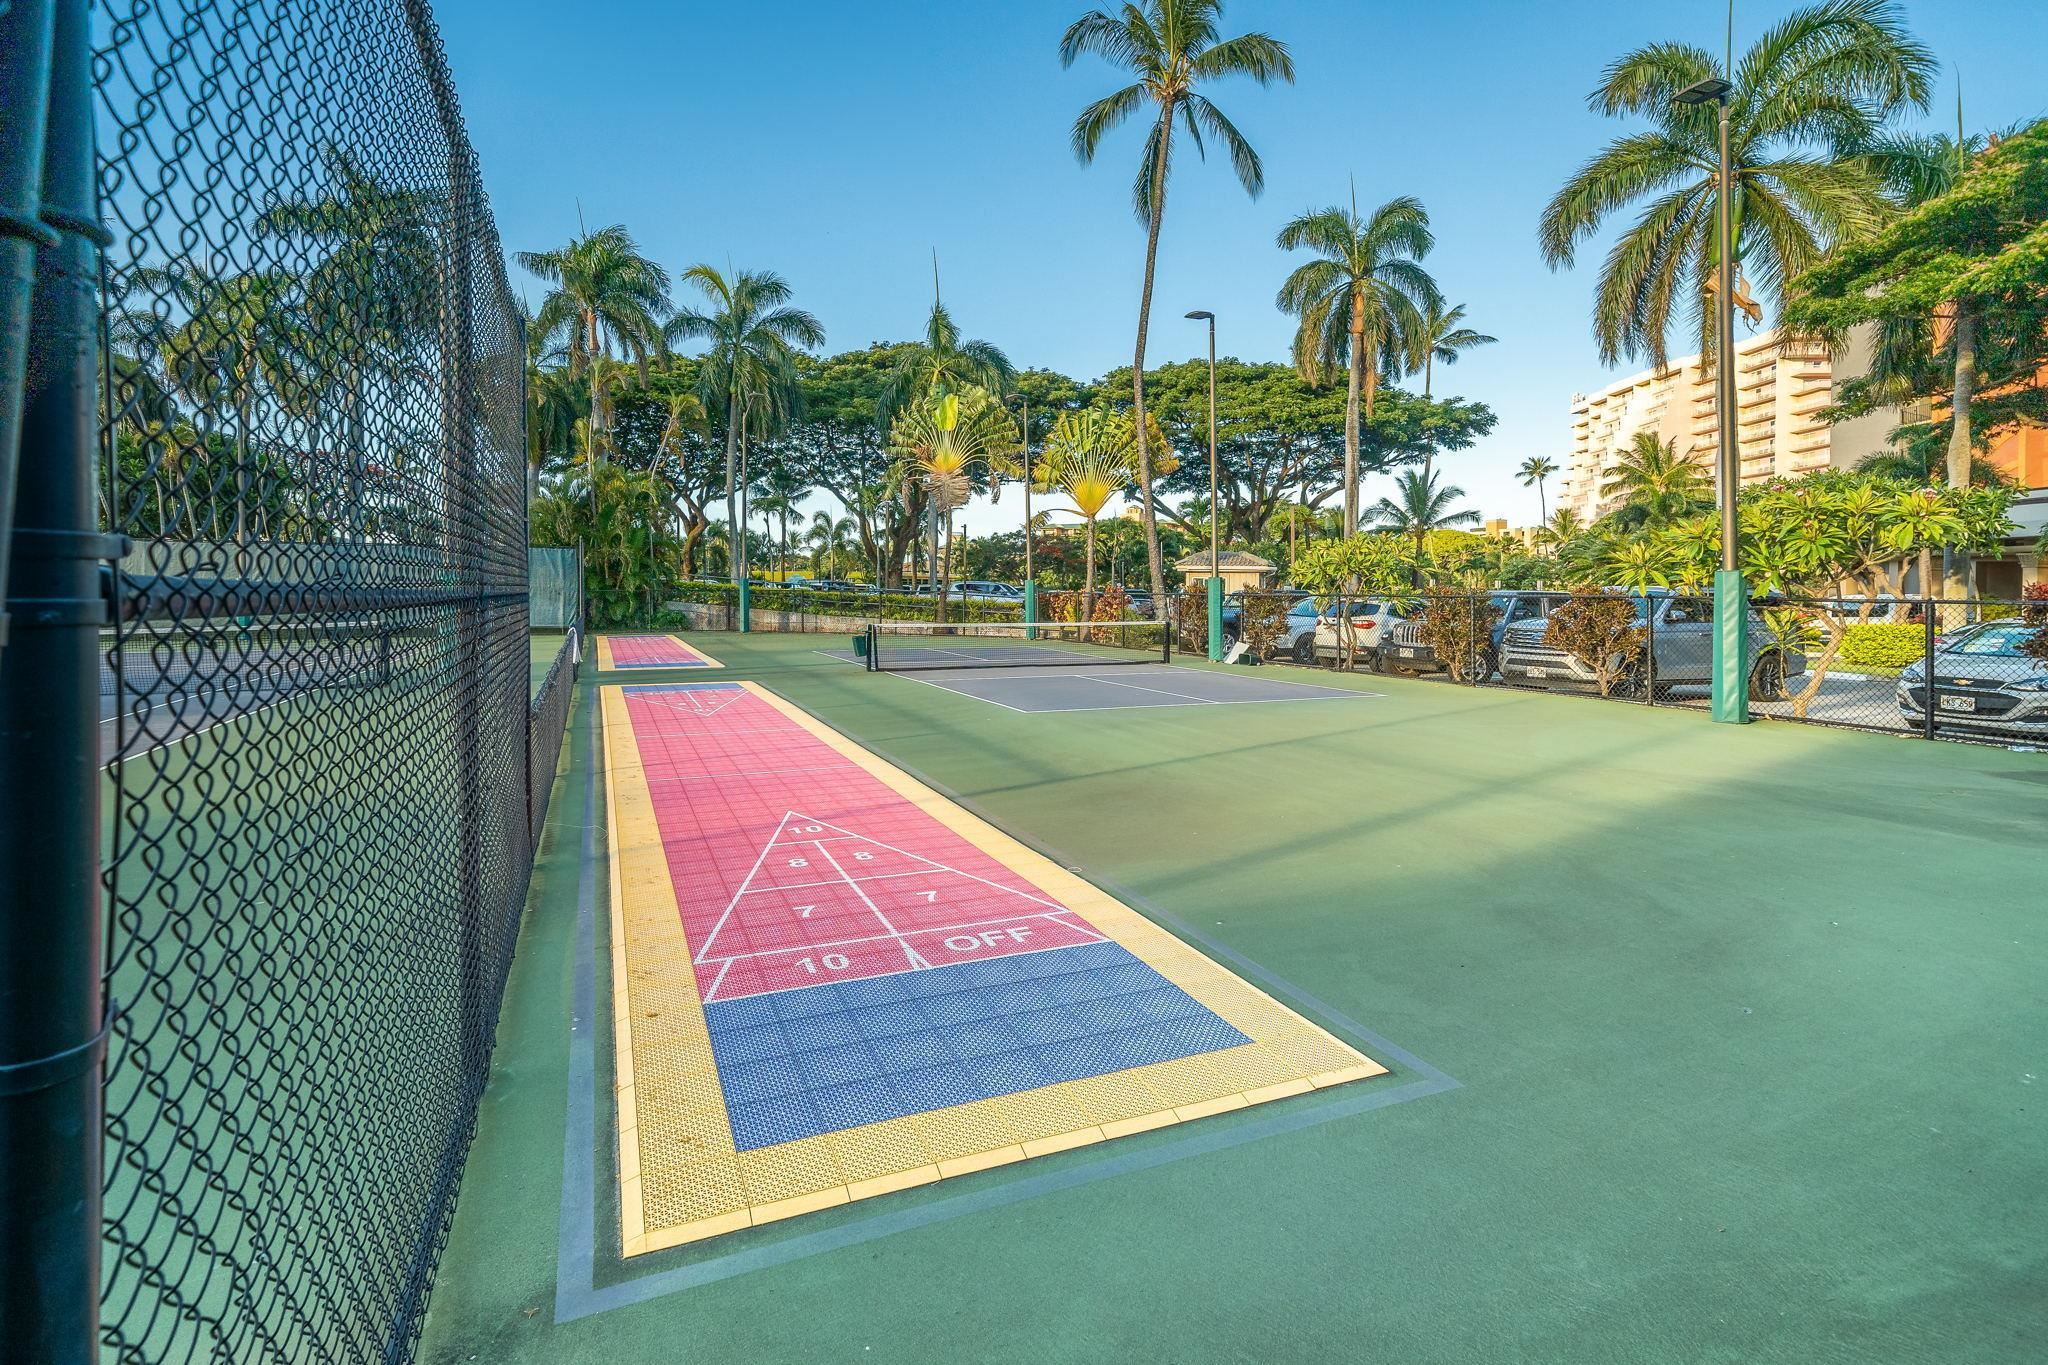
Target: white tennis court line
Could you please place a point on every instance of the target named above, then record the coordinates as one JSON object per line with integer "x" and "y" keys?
{"x": 956, "y": 686}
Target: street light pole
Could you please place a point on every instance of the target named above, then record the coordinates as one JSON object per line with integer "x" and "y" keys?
{"x": 1215, "y": 551}
{"x": 1731, "y": 595}
{"x": 1030, "y": 583}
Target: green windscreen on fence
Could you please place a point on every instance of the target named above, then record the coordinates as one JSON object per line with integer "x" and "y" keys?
{"x": 553, "y": 587}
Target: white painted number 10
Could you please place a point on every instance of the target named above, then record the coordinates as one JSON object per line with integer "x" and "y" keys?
{"x": 831, "y": 962}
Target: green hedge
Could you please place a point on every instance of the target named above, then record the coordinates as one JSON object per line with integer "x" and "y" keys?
{"x": 811, "y": 602}
{"x": 1882, "y": 644}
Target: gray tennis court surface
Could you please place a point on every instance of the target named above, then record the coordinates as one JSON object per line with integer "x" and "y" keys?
{"x": 1094, "y": 688}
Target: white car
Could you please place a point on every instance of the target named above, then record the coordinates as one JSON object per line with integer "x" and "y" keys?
{"x": 1370, "y": 620}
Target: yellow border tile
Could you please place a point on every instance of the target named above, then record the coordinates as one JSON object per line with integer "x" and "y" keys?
{"x": 681, "y": 1179}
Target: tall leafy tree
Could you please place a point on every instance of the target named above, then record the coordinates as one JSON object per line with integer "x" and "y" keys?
{"x": 1361, "y": 304}
{"x": 748, "y": 370}
{"x": 943, "y": 361}
{"x": 1810, "y": 99}
{"x": 1173, "y": 50}
{"x": 1419, "y": 506}
{"x": 1966, "y": 273}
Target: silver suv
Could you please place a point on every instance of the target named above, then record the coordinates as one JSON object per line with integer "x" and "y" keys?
{"x": 1680, "y": 653}
{"x": 1404, "y": 653}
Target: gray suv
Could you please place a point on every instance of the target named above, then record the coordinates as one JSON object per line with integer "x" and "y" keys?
{"x": 1681, "y": 649}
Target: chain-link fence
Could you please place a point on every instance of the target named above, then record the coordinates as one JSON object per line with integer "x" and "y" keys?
{"x": 324, "y": 774}
{"x": 1856, "y": 662}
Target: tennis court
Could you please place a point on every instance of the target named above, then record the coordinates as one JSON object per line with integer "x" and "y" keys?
{"x": 1695, "y": 1045}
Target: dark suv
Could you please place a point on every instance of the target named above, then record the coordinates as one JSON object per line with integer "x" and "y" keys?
{"x": 1405, "y": 653}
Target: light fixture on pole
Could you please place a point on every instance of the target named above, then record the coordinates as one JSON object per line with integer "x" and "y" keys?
{"x": 1215, "y": 558}
{"x": 1731, "y": 596}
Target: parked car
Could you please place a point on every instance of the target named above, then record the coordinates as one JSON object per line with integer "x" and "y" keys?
{"x": 983, "y": 590}
{"x": 1681, "y": 652}
{"x": 1983, "y": 684}
{"x": 1297, "y": 639}
{"x": 1233, "y": 608}
{"x": 1404, "y": 653}
{"x": 1370, "y": 619}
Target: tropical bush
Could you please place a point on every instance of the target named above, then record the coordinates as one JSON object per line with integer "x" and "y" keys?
{"x": 1261, "y": 621}
{"x": 1459, "y": 629}
{"x": 1600, "y": 631}
{"x": 1882, "y": 644}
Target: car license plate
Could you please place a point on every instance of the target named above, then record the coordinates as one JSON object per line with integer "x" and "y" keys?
{"x": 1538, "y": 672}
{"x": 1408, "y": 653}
{"x": 1958, "y": 703}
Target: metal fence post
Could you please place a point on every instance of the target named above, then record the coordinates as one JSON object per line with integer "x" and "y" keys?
{"x": 25, "y": 79}
{"x": 1927, "y": 663}
{"x": 1650, "y": 654}
{"x": 52, "y": 1013}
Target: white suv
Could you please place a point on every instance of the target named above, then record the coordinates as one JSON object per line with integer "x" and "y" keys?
{"x": 1371, "y": 619}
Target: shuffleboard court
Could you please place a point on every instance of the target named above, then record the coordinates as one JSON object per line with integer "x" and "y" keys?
{"x": 831, "y": 982}
{"x": 616, "y": 653}
{"x": 1058, "y": 688}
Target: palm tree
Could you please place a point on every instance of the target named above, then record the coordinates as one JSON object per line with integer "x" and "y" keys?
{"x": 1653, "y": 476}
{"x": 1171, "y": 47}
{"x": 1562, "y": 526}
{"x": 1809, "y": 98}
{"x": 606, "y": 298}
{"x": 242, "y": 337}
{"x": 750, "y": 367}
{"x": 1443, "y": 336}
{"x": 1419, "y": 507}
{"x": 1534, "y": 471}
{"x": 948, "y": 444}
{"x": 944, "y": 363}
{"x": 1361, "y": 305}
{"x": 777, "y": 491}
{"x": 1091, "y": 456}
{"x": 374, "y": 295}
{"x": 832, "y": 541}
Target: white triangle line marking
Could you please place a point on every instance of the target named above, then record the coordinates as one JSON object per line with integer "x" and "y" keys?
{"x": 914, "y": 933}
{"x": 719, "y": 980}
{"x": 751, "y": 872}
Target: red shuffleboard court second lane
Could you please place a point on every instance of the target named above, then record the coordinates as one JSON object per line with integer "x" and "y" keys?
{"x": 794, "y": 866}
{"x": 652, "y": 651}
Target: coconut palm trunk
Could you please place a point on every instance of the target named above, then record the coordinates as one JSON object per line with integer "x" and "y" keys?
{"x": 1146, "y": 514}
{"x": 732, "y": 491}
{"x": 1956, "y": 560}
{"x": 1355, "y": 379}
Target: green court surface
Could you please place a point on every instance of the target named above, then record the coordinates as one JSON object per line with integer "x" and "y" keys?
{"x": 1708, "y": 1045}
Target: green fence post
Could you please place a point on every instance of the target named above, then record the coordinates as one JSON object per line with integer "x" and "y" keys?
{"x": 1030, "y": 607}
{"x": 52, "y": 1011}
{"x": 746, "y": 607}
{"x": 1215, "y": 619}
{"x": 1731, "y": 647}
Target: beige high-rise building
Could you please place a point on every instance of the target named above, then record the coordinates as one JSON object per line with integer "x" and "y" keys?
{"x": 1780, "y": 389}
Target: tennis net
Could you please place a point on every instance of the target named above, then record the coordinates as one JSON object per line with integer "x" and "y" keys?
{"x": 899, "y": 646}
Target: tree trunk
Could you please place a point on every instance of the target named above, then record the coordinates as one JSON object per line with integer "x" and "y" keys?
{"x": 1146, "y": 514}
{"x": 1088, "y": 593}
{"x": 1542, "y": 505}
{"x": 1429, "y": 455}
{"x": 1956, "y": 560}
{"x": 732, "y": 503}
{"x": 1353, "y": 379}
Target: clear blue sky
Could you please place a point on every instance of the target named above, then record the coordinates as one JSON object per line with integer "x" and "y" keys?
{"x": 839, "y": 143}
